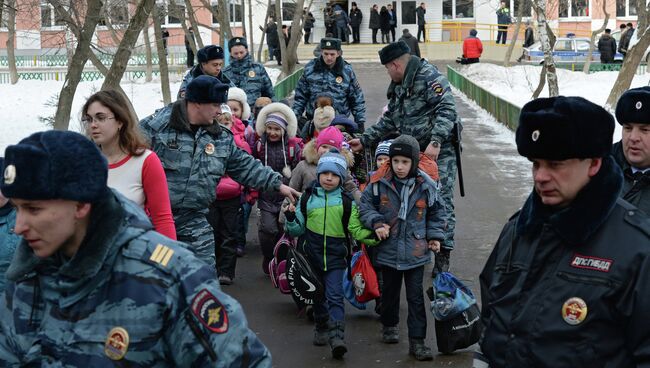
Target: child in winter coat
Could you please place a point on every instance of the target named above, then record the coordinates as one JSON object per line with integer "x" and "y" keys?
{"x": 401, "y": 204}
{"x": 324, "y": 113}
{"x": 279, "y": 149}
{"x": 225, "y": 212}
{"x": 362, "y": 163}
{"x": 323, "y": 238}
{"x": 238, "y": 104}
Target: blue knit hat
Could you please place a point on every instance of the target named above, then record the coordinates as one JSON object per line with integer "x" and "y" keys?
{"x": 206, "y": 89}
{"x": 334, "y": 162}
{"x": 55, "y": 165}
{"x": 383, "y": 148}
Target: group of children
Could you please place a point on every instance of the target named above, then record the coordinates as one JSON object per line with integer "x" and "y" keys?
{"x": 397, "y": 213}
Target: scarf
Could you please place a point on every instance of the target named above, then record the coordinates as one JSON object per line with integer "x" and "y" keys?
{"x": 407, "y": 184}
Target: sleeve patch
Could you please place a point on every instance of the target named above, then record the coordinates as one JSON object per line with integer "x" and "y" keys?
{"x": 210, "y": 312}
{"x": 161, "y": 255}
{"x": 437, "y": 88}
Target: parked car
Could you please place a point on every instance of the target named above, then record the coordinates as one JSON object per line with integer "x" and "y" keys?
{"x": 617, "y": 37}
{"x": 566, "y": 50}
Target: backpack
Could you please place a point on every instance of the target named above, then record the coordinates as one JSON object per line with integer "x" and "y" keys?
{"x": 305, "y": 284}
{"x": 278, "y": 264}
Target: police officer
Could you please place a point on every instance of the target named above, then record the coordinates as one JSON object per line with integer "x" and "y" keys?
{"x": 330, "y": 75}
{"x": 567, "y": 283}
{"x": 195, "y": 153}
{"x": 247, "y": 74}
{"x": 632, "y": 153}
{"x": 421, "y": 105}
{"x": 210, "y": 63}
{"x": 93, "y": 285}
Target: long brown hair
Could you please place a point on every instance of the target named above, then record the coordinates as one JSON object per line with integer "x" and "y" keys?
{"x": 130, "y": 138}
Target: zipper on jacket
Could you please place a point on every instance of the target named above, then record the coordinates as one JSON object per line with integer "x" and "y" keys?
{"x": 585, "y": 279}
{"x": 325, "y": 235}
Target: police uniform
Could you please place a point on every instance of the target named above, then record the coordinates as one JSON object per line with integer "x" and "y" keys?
{"x": 207, "y": 53}
{"x": 194, "y": 162}
{"x": 248, "y": 75}
{"x": 339, "y": 82}
{"x": 634, "y": 107}
{"x": 128, "y": 297}
{"x": 422, "y": 106}
{"x": 569, "y": 287}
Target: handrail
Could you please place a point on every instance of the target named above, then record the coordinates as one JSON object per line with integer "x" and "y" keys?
{"x": 284, "y": 87}
{"x": 459, "y": 29}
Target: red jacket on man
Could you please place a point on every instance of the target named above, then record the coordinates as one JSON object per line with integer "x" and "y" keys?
{"x": 472, "y": 48}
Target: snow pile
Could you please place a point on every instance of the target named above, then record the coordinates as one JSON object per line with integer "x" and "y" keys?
{"x": 517, "y": 83}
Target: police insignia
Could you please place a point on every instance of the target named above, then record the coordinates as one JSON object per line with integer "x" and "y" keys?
{"x": 437, "y": 88}
{"x": 210, "y": 312}
{"x": 639, "y": 105}
{"x": 251, "y": 74}
{"x": 535, "y": 136}
{"x": 339, "y": 79}
{"x": 328, "y": 44}
{"x": 574, "y": 311}
{"x": 209, "y": 148}
{"x": 117, "y": 343}
{"x": 10, "y": 174}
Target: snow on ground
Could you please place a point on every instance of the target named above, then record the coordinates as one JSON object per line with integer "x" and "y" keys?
{"x": 517, "y": 83}
{"x": 25, "y": 103}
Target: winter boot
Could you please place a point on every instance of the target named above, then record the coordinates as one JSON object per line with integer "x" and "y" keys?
{"x": 441, "y": 263}
{"x": 420, "y": 351}
{"x": 336, "y": 337}
{"x": 390, "y": 335}
{"x": 321, "y": 333}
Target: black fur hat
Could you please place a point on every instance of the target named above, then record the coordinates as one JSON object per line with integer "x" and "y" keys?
{"x": 634, "y": 106}
{"x": 237, "y": 41}
{"x": 561, "y": 128}
{"x": 393, "y": 51}
{"x": 206, "y": 89}
{"x": 209, "y": 52}
{"x": 328, "y": 43}
{"x": 55, "y": 165}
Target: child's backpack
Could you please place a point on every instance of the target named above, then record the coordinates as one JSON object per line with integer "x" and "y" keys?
{"x": 278, "y": 264}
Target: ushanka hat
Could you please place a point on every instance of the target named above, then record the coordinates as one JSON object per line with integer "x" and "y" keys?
{"x": 209, "y": 52}
{"x": 237, "y": 41}
{"x": 392, "y": 51}
{"x": 206, "y": 89}
{"x": 634, "y": 106}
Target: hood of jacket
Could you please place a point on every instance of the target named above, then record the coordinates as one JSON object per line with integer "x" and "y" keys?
{"x": 310, "y": 153}
{"x": 277, "y": 107}
{"x": 114, "y": 221}
{"x": 588, "y": 211}
{"x": 425, "y": 165}
{"x": 179, "y": 121}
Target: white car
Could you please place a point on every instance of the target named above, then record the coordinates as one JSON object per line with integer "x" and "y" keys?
{"x": 567, "y": 50}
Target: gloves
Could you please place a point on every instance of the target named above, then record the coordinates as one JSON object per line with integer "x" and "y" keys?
{"x": 290, "y": 216}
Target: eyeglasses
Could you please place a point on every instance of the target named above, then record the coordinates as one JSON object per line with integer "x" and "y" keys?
{"x": 87, "y": 120}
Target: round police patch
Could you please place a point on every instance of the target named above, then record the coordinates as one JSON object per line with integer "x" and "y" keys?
{"x": 251, "y": 74}
{"x": 117, "y": 343}
{"x": 210, "y": 312}
{"x": 209, "y": 148}
{"x": 339, "y": 79}
{"x": 574, "y": 311}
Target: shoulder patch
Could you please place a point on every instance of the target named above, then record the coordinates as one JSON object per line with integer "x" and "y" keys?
{"x": 210, "y": 312}
{"x": 437, "y": 88}
{"x": 161, "y": 255}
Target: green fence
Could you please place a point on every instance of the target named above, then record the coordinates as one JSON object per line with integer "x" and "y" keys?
{"x": 87, "y": 76}
{"x": 598, "y": 67}
{"x": 284, "y": 87}
{"x": 32, "y": 61}
{"x": 503, "y": 111}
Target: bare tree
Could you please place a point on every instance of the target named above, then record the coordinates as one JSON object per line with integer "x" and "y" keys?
{"x": 123, "y": 54}
{"x": 513, "y": 41}
{"x": 592, "y": 41}
{"x": 251, "y": 40}
{"x": 162, "y": 58}
{"x": 222, "y": 14}
{"x": 195, "y": 25}
{"x": 148, "y": 55}
{"x": 542, "y": 74}
{"x": 545, "y": 35}
{"x": 76, "y": 67}
{"x": 10, "y": 6}
{"x": 634, "y": 54}
{"x": 266, "y": 21}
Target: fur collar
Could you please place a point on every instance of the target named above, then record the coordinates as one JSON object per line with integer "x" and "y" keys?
{"x": 310, "y": 153}
{"x": 277, "y": 107}
{"x": 320, "y": 66}
{"x": 178, "y": 120}
{"x": 576, "y": 223}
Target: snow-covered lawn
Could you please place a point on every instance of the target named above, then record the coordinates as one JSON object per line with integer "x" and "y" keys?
{"x": 22, "y": 105}
{"x": 517, "y": 83}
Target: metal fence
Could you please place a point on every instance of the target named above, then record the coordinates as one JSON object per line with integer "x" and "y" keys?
{"x": 86, "y": 76}
{"x": 286, "y": 86}
{"x": 40, "y": 61}
{"x": 505, "y": 112}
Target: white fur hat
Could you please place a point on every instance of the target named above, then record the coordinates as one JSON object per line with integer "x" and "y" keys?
{"x": 238, "y": 94}
{"x": 281, "y": 109}
{"x": 323, "y": 117}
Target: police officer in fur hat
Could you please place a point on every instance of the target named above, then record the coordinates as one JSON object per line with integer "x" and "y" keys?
{"x": 92, "y": 284}
{"x": 196, "y": 152}
{"x": 632, "y": 153}
{"x": 567, "y": 282}
{"x": 211, "y": 60}
{"x": 246, "y": 73}
{"x": 330, "y": 75}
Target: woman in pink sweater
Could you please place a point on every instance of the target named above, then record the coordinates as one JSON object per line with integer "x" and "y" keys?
{"x": 134, "y": 170}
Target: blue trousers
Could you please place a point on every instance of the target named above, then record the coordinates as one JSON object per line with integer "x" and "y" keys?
{"x": 332, "y": 307}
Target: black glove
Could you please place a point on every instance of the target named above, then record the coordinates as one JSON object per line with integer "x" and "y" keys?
{"x": 290, "y": 216}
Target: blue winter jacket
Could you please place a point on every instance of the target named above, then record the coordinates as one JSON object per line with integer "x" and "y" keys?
{"x": 8, "y": 242}
{"x": 407, "y": 246}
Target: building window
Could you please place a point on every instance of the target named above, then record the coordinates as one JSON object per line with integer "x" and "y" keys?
{"x": 457, "y": 9}
{"x": 288, "y": 10}
{"x": 408, "y": 12}
{"x": 573, "y": 8}
{"x": 49, "y": 18}
{"x": 626, "y": 8}
{"x": 234, "y": 11}
{"x": 117, "y": 12}
{"x": 527, "y": 8}
{"x": 170, "y": 15}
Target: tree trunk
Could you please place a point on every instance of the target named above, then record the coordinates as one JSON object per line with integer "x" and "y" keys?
{"x": 633, "y": 56}
{"x": 11, "y": 28}
{"x": 162, "y": 58}
{"x": 541, "y": 84}
{"x": 290, "y": 56}
{"x": 129, "y": 38}
{"x": 266, "y": 21}
{"x": 251, "y": 40}
{"x": 195, "y": 25}
{"x": 592, "y": 42}
{"x": 513, "y": 40}
{"x": 147, "y": 48}
{"x": 224, "y": 23}
{"x": 76, "y": 67}
{"x": 243, "y": 20}
{"x": 547, "y": 40}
